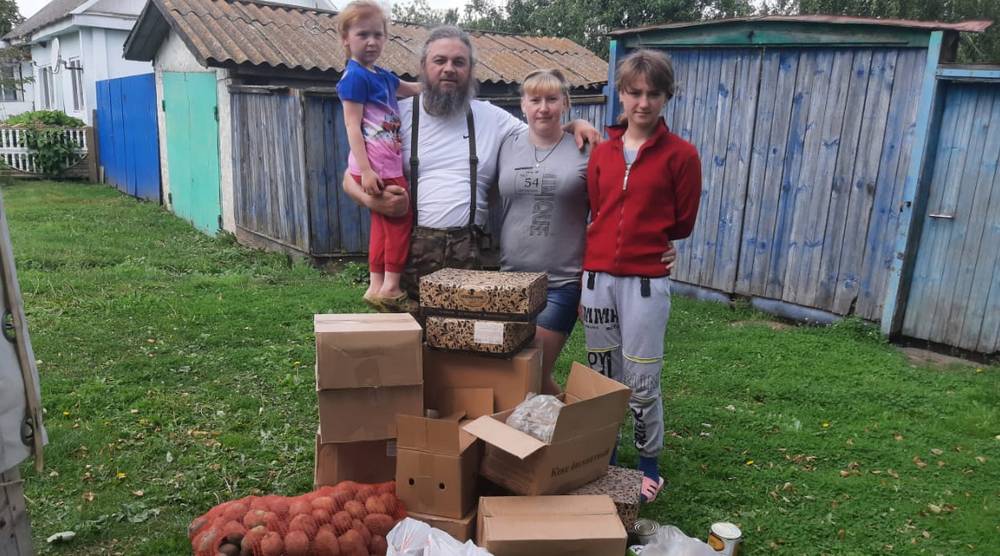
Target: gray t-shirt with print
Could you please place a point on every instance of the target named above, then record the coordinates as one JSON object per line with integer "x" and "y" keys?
{"x": 544, "y": 199}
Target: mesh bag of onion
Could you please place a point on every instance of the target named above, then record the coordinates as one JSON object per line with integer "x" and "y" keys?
{"x": 348, "y": 519}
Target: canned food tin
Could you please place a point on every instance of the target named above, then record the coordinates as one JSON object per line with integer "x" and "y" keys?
{"x": 725, "y": 538}
{"x": 645, "y": 530}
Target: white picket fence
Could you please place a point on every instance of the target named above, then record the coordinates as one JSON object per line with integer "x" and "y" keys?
{"x": 15, "y": 154}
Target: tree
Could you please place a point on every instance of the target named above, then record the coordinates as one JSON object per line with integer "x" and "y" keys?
{"x": 586, "y": 22}
{"x": 10, "y": 16}
{"x": 421, "y": 13}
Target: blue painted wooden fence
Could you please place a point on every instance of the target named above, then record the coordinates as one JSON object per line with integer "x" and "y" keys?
{"x": 954, "y": 289}
{"x": 127, "y": 135}
{"x": 803, "y": 154}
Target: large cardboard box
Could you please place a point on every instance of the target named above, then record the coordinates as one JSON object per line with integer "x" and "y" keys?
{"x": 365, "y": 462}
{"x": 369, "y": 368}
{"x": 483, "y": 294}
{"x": 462, "y": 529}
{"x": 535, "y": 525}
{"x": 367, "y": 350}
{"x": 436, "y": 466}
{"x": 585, "y": 432}
{"x": 353, "y": 415}
{"x": 511, "y": 379}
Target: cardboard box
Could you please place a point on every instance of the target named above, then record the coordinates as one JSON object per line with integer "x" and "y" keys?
{"x": 534, "y": 525}
{"x": 462, "y": 529}
{"x": 353, "y": 415}
{"x": 585, "y": 432}
{"x": 367, "y": 350}
{"x": 436, "y": 466}
{"x": 623, "y": 486}
{"x": 511, "y": 379}
{"x": 365, "y": 462}
{"x": 499, "y": 338}
{"x": 483, "y": 294}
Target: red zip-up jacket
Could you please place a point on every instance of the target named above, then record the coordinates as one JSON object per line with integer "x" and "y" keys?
{"x": 634, "y": 213}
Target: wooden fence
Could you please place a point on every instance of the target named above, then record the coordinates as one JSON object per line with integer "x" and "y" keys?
{"x": 17, "y": 159}
{"x": 291, "y": 198}
{"x": 803, "y": 155}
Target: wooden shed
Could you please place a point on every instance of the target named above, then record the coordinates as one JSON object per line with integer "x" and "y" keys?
{"x": 261, "y": 78}
{"x": 812, "y": 132}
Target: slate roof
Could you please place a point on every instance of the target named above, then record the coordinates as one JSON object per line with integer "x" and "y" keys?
{"x": 50, "y": 13}
{"x": 226, "y": 33}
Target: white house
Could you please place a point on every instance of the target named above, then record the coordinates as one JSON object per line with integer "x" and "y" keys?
{"x": 74, "y": 44}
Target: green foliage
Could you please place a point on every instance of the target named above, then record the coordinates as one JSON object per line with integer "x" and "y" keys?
{"x": 177, "y": 372}
{"x": 10, "y": 16}
{"x": 45, "y": 138}
{"x": 44, "y": 118}
{"x": 52, "y": 149}
{"x": 587, "y": 22}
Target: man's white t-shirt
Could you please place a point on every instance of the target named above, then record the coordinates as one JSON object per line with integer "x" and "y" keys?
{"x": 443, "y": 188}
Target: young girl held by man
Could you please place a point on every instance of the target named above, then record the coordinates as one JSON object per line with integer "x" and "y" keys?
{"x": 371, "y": 115}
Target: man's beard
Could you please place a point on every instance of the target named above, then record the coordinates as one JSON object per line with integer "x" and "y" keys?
{"x": 446, "y": 103}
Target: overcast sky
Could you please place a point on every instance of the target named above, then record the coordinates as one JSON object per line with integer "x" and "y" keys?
{"x": 29, "y": 7}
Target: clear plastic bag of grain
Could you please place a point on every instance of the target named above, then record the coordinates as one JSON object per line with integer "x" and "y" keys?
{"x": 537, "y": 416}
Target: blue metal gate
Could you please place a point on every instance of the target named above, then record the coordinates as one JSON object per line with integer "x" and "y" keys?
{"x": 127, "y": 135}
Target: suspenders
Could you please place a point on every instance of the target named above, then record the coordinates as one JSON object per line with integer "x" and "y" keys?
{"x": 415, "y": 161}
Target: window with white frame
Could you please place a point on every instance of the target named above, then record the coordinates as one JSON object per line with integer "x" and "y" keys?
{"x": 75, "y": 70}
{"x": 46, "y": 88}
{"x": 11, "y": 87}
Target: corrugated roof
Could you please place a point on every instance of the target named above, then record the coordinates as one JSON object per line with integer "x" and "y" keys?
{"x": 243, "y": 32}
{"x": 977, "y": 26}
{"x": 50, "y": 13}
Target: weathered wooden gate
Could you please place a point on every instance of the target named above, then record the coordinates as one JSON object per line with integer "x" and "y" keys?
{"x": 291, "y": 196}
{"x": 954, "y": 289}
{"x": 127, "y": 135}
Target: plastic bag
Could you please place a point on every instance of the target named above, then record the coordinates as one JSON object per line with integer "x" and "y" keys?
{"x": 536, "y": 416}
{"x": 415, "y": 538}
{"x": 671, "y": 541}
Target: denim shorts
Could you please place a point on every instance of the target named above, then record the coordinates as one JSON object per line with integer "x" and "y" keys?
{"x": 560, "y": 309}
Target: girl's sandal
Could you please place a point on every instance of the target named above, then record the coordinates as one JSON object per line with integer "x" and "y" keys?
{"x": 399, "y": 304}
{"x": 650, "y": 489}
{"x": 374, "y": 302}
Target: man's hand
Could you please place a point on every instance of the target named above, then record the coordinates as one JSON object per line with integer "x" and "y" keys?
{"x": 583, "y": 133}
{"x": 371, "y": 183}
{"x": 669, "y": 256}
{"x": 393, "y": 202}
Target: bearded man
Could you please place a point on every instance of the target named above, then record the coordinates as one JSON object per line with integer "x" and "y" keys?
{"x": 450, "y": 149}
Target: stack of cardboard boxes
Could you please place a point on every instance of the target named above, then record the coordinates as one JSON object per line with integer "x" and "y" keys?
{"x": 368, "y": 370}
{"x": 435, "y": 421}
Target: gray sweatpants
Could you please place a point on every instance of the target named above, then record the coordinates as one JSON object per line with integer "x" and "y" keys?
{"x": 624, "y": 332}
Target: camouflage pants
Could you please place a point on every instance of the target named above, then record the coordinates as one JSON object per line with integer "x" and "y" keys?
{"x": 433, "y": 249}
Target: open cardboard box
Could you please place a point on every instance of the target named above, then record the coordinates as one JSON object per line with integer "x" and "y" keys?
{"x": 586, "y": 430}
{"x": 536, "y": 525}
{"x": 372, "y": 461}
{"x": 437, "y": 461}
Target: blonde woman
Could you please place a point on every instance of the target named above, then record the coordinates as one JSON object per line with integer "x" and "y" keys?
{"x": 543, "y": 189}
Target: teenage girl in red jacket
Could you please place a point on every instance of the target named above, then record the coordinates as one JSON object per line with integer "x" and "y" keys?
{"x": 644, "y": 185}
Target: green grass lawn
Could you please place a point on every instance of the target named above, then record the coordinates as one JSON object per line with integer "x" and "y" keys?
{"x": 177, "y": 372}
